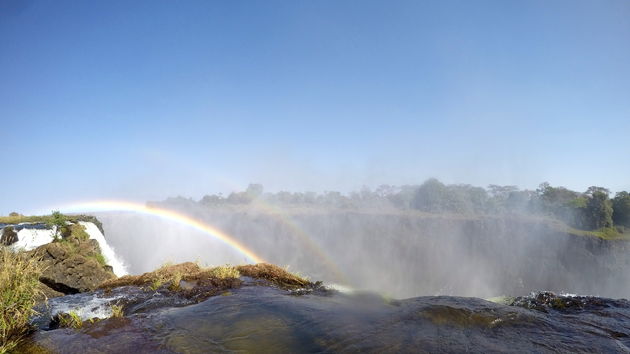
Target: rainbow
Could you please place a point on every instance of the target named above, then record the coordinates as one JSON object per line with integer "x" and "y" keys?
{"x": 278, "y": 214}
{"x": 297, "y": 232}
{"x": 117, "y": 205}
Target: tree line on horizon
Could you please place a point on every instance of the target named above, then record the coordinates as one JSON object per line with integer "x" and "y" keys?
{"x": 592, "y": 209}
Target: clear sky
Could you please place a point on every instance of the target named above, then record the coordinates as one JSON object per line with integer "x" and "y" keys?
{"x": 148, "y": 99}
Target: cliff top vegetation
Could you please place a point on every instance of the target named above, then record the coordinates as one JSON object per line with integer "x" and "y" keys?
{"x": 594, "y": 212}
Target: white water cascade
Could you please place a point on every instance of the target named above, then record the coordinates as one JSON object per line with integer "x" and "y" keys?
{"x": 107, "y": 251}
{"x": 31, "y": 238}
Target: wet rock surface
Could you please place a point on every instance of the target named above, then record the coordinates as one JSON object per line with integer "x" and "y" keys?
{"x": 47, "y": 292}
{"x": 260, "y": 317}
{"x": 8, "y": 236}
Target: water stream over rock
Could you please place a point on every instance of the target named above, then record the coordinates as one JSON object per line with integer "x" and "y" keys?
{"x": 262, "y": 318}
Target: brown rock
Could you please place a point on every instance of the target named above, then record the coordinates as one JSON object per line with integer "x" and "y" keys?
{"x": 71, "y": 266}
{"x": 9, "y": 236}
{"x": 47, "y": 293}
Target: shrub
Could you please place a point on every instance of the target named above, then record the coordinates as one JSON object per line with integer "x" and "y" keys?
{"x": 19, "y": 287}
{"x": 58, "y": 221}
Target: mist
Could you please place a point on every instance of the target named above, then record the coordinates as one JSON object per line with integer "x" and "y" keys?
{"x": 398, "y": 241}
{"x": 322, "y": 97}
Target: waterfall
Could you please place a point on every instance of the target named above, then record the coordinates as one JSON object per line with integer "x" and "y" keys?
{"x": 29, "y": 239}
{"x": 31, "y": 236}
{"x": 107, "y": 251}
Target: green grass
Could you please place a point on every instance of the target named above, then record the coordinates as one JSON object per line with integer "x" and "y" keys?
{"x": 607, "y": 233}
{"x": 70, "y": 320}
{"x": 78, "y": 231}
{"x": 155, "y": 284}
{"x": 46, "y": 219}
{"x": 19, "y": 287}
{"x": 100, "y": 259}
{"x": 16, "y": 219}
{"x": 117, "y": 311}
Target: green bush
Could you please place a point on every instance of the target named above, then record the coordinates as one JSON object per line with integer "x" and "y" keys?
{"x": 58, "y": 221}
{"x": 78, "y": 231}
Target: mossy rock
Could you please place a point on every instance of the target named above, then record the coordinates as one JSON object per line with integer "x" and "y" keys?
{"x": 72, "y": 265}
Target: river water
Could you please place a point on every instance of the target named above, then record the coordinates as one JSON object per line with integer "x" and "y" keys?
{"x": 265, "y": 319}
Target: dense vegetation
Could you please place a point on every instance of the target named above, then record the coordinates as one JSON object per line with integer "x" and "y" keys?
{"x": 19, "y": 287}
{"x": 593, "y": 209}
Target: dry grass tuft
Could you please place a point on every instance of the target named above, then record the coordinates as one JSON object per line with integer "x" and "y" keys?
{"x": 70, "y": 320}
{"x": 201, "y": 283}
{"x": 170, "y": 276}
{"x": 222, "y": 272}
{"x": 19, "y": 288}
{"x": 117, "y": 311}
{"x": 274, "y": 274}
{"x": 166, "y": 274}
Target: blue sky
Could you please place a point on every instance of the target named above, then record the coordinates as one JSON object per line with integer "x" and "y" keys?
{"x": 148, "y": 99}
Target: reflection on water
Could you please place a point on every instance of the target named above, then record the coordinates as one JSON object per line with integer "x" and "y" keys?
{"x": 266, "y": 319}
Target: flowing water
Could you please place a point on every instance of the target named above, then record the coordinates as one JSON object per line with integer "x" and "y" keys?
{"x": 264, "y": 319}
{"x": 106, "y": 250}
{"x": 261, "y": 318}
{"x": 33, "y": 235}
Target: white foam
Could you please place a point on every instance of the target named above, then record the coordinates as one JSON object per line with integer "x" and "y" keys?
{"x": 571, "y": 295}
{"x": 107, "y": 251}
{"x": 84, "y": 306}
{"x": 29, "y": 239}
{"x": 344, "y": 289}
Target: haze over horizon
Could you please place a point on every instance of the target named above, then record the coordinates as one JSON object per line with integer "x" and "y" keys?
{"x": 151, "y": 99}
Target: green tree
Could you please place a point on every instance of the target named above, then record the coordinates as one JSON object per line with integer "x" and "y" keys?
{"x": 431, "y": 196}
{"x": 404, "y": 197}
{"x": 621, "y": 209}
{"x": 58, "y": 222}
{"x": 212, "y": 199}
{"x": 598, "y": 208}
{"x": 562, "y": 203}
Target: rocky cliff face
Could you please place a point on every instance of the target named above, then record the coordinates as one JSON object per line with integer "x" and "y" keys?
{"x": 72, "y": 259}
{"x": 72, "y": 266}
{"x": 403, "y": 254}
